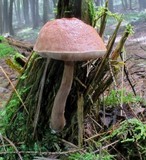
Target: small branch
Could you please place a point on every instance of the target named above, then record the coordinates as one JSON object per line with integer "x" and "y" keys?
{"x": 128, "y": 79}
{"x": 80, "y": 117}
{"x": 103, "y": 20}
{"x": 43, "y": 153}
{"x": 113, "y": 37}
{"x": 79, "y": 81}
{"x": 12, "y": 144}
{"x": 119, "y": 46}
{"x": 111, "y": 144}
{"x": 96, "y": 136}
{"x": 14, "y": 89}
{"x": 70, "y": 144}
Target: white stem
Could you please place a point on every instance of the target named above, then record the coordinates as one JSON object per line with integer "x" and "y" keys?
{"x": 57, "y": 115}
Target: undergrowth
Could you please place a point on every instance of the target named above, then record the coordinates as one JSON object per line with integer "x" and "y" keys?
{"x": 90, "y": 156}
{"x": 114, "y": 96}
{"x": 131, "y": 139}
{"x": 5, "y": 48}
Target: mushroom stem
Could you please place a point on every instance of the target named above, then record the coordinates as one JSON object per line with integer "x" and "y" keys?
{"x": 57, "y": 115}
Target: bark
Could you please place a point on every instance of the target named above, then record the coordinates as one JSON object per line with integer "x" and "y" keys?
{"x": 35, "y": 13}
{"x": 45, "y": 11}
{"x": 5, "y": 16}
{"x": 20, "y": 44}
{"x": 11, "y": 31}
{"x": 26, "y": 12}
{"x": 1, "y": 16}
{"x": 18, "y": 10}
{"x": 142, "y": 4}
{"x": 55, "y": 2}
{"x": 69, "y": 8}
{"x": 63, "y": 9}
{"x": 130, "y": 4}
{"x": 88, "y": 17}
{"x": 111, "y": 5}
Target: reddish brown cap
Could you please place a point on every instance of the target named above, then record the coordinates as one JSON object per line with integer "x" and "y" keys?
{"x": 69, "y": 39}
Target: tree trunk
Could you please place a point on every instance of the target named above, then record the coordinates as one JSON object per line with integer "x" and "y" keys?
{"x": 11, "y": 31}
{"x": 1, "y": 16}
{"x": 88, "y": 17}
{"x": 130, "y": 4}
{"x": 18, "y": 11}
{"x": 35, "y": 13}
{"x": 55, "y": 3}
{"x": 5, "y": 16}
{"x": 111, "y": 5}
{"x": 142, "y": 4}
{"x": 63, "y": 9}
{"x": 26, "y": 12}
{"x": 45, "y": 11}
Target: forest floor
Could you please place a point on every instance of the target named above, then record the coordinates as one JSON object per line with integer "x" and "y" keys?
{"x": 135, "y": 64}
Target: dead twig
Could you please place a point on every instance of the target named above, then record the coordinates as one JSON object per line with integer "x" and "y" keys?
{"x": 12, "y": 144}
{"x": 80, "y": 117}
{"x": 42, "y": 153}
{"x": 14, "y": 89}
{"x": 127, "y": 77}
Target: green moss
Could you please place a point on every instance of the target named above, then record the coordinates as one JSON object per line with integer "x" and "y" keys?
{"x": 91, "y": 11}
{"x": 88, "y": 12}
{"x": 131, "y": 136}
{"x": 114, "y": 98}
{"x": 2, "y": 38}
{"x": 90, "y": 156}
{"x": 5, "y": 48}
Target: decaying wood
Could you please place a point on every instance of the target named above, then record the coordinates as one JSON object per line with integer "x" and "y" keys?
{"x": 25, "y": 45}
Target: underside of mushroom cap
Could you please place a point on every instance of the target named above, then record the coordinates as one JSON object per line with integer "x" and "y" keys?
{"x": 69, "y": 39}
{"x": 73, "y": 56}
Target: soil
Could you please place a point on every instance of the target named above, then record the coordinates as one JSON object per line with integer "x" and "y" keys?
{"x": 135, "y": 65}
{"x": 5, "y": 87}
{"x": 136, "y": 59}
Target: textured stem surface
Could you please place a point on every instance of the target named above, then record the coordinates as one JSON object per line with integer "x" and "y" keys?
{"x": 57, "y": 115}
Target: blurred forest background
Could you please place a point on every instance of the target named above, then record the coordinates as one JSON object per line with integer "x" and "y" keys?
{"x": 22, "y": 16}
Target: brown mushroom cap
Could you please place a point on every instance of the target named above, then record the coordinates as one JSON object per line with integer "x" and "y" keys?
{"x": 69, "y": 39}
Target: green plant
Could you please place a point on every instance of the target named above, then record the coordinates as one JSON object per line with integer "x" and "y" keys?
{"x": 90, "y": 156}
{"x": 131, "y": 136}
{"x": 114, "y": 98}
{"x": 5, "y": 49}
{"x": 112, "y": 17}
{"x": 2, "y": 38}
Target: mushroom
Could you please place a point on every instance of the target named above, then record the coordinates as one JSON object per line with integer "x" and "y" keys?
{"x": 68, "y": 40}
